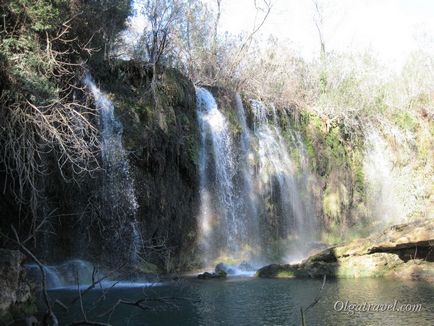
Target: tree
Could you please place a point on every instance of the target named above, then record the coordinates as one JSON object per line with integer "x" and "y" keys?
{"x": 319, "y": 24}
{"x": 161, "y": 16}
{"x": 47, "y": 125}
{"x": 185, "y": 34}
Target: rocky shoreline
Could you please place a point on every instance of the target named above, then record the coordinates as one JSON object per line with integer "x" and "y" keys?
{"x": 404, "y": 251}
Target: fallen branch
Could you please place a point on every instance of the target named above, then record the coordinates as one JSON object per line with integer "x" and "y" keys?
{"x": 314, "y": 302}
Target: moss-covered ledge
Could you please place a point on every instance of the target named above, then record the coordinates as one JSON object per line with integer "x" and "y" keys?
{"x": 161, "y": 136}
{"x": 404, "y": 251}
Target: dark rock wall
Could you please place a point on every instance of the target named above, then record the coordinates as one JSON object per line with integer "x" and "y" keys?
{"x": 160, "y": 138}
{"x": 15, "y": 296}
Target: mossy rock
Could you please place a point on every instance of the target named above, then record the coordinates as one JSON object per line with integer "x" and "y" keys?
{"x": 18, "y": 312}
{"x": 373, "y": 265}
{"x": 279, "y": 271}
{"x": 391, "y": 253}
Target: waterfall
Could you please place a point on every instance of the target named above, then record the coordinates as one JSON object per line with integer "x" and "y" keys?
{"x": 73, "y": 273}
{"x": 218, "y": 220}
{"x": 286, "y": 184}
{"x": 63, "y": 275}
{"x": 137, "y": 241}
{"x": 118, "y": 191}
{"x": 254, "y": 197}
{"x": 248, "y": 196}
{"x": 387, "y": 188}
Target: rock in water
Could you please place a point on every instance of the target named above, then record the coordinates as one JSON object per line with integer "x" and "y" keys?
{"x": 207, "y": 276}
{"x": 222, "y": 267}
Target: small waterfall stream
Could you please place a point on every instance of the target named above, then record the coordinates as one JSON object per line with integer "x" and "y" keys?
{"x": 118, "y": 190}
{"x": 247, "y": 194}
{"x": 387, "y": 187}
{"x": 118, "y": 209}
{"x": 75, "y": 273}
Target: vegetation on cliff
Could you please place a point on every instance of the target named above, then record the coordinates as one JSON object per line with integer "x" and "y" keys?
{"x": 343, "y": 105}
{"x": 364, "y": 152}
{"x": 47, "y": 123}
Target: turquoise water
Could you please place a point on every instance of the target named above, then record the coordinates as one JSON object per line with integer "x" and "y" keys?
{"x": 252, "y": 301}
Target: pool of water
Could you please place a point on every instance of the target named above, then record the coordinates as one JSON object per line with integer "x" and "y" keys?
{"x": 252, "y": 301}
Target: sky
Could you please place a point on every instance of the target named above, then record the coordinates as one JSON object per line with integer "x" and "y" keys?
{"x": 390, "y": 29}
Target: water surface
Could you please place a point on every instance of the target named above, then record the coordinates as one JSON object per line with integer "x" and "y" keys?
{"x": 252, "y": 301}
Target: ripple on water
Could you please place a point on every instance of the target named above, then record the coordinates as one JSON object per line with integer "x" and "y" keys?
{"x": 252, "y": 301}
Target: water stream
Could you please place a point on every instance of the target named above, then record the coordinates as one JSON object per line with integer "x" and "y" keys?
{"x": 119, "y": 203}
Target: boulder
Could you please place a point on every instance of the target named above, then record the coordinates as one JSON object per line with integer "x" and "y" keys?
{"x": 228, "y": 269}
{"x": 278, "y": 271}
{"x": 207, "y": 276}
{"x": 404, "y": 251}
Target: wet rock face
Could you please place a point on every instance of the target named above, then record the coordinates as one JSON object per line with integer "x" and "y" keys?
{"x": 163, "y": 166}
{"x": 13, "y": 289}
{"x": 403, "y": 251}
{"x": 162, "y": 159}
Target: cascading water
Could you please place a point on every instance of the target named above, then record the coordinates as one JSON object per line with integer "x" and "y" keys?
{"x": 73, "y": 273}
{"x": 278, "y": 179}
{"x": 248, "y": 196}
{"x": 137, "y": 241}
{"x": 255, "y": 200}
{"x": 69, "y": 273}
{"x": 388, "y": 197}
{"x": 218, "y": 220}
{"x": 118, "y": 197}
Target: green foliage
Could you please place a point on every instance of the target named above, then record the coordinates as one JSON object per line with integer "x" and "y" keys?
{"x": 142, "y": 107}
{"x": 323, "y": 81}
{"x": 27, "y": 43}
{"x": 335, "y": 145}
{"x": 45, "y": 120}
{"x": 27, "y": 61}
{"x": 310, "y": 149}
{"x": 357, "y": 158}
{"x": 379, "y": 105}
{"x": 44, "y": 15}
{"x": 405, "y": 120}
{"x": 338, "y": 162}
{"x": 337, "y": 234}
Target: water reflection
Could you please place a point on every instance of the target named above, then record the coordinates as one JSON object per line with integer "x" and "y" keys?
{"x": 251, "y": 301}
